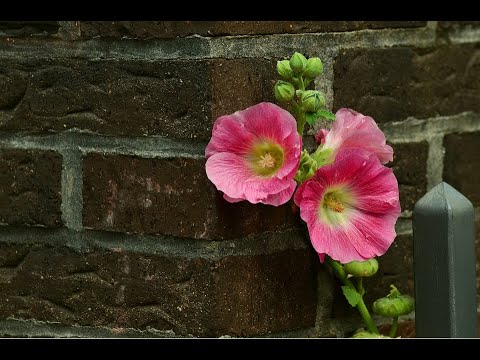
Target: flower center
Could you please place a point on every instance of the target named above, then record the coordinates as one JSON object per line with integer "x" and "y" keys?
{"x": 266, "y": 161}
{"x": 265, "y": 158}
{"x": 332, "y": 202}
{"x": 336, "y": 206}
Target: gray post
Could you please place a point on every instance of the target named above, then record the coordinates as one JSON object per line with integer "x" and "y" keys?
{"x": 444, "y": 257}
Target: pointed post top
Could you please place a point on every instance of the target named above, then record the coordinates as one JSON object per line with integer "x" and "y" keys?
{"x": 443, "y": 196}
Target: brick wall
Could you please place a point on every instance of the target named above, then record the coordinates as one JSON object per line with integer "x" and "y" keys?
{"x": 109, "y": 226}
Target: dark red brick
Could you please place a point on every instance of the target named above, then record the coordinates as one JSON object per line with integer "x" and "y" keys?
{"x": 410, "y": 167}
{"x": 395, "y": 83}
{"x": 167, "y": 29}
{"x": 28, "y": 28}
{"x": 30, "y": 186}
{"x": 170, "y": 196}
{"x": 236, "y": 295}
{"x": 462, "y": 164}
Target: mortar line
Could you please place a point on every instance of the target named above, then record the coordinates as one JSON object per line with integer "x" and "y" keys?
{"x": 72, "y": 189}
{"x": 436, "y": 153}
{"x": 36, "y": 328}
{"x": 197, "y": 47}
{"x": 416, "y": 130}
{"x": 151, "y": 147}
{"x": 88, "y": 240}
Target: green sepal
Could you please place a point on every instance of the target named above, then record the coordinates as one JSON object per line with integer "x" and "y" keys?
{"x": 306, "y": 169}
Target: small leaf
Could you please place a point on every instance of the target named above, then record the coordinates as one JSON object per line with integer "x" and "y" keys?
{"x": 353, "y": 297}
{"x": 311, "y": 118}
{"x": 325, "y": 114}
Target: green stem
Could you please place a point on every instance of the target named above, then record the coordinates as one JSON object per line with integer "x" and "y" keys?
{"x": 362, "y": 309}
{"x": 393, "y": 329}
{"x": 301, "y": 119}
{"x": 302, "y": 85}
{"x": 295, "y": 106}
{"x": 361, "y": 289}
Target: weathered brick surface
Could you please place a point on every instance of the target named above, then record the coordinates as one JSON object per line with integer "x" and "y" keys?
{"x": 110, "y": 97}
{"x": 396, "y": 267}
{"x": 410, "y": 167}
{"x": 170, "y": 196}
{"x": 237, "y": 295}
{"x": 178, "y": 99}
{"x": 28, "y": 28}
{"x": 30, "y": 187}
{"x": 167, "y": 29}
{"x": 462, "y": 164}
{"x": 392, "y": 84}
{"x": 241, "y": 83}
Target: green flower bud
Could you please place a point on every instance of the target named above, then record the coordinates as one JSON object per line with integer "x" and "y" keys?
{"x": 312, "y": 100}
{"x": 323, "y": 156}
{"x": 363, "y": 334}
{"x": 362, "y": 268}
{"x": 298, "y": 62}
{"x": 395, "y": 304}
{"x": 284, "y": 69}
{"x": 313, "y": 68}
{"x": 306, "y": 169}
{"x": 284, "y": 91}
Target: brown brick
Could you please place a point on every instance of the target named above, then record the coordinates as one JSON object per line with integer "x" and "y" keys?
{"x": 241, "y": 83}
{"x": 28, "y": 28}
{"x": 392, "y": 84}
{"x": 237, "y": 295}
{"x": 167, "y": 29}
{"x": 170, "y": 196}
{"x": 410, "y": 167}
{"x": 178, "y": 99}
{"x": 30, "y": 183}
{"x": 112, "y": 97}
{"x": 462, "y": 164}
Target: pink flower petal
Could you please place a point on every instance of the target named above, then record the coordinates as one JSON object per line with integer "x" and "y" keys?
{"x": 229, "y": 154}
{"x": 354, "y": 130}
{"x": 367, "y": 225}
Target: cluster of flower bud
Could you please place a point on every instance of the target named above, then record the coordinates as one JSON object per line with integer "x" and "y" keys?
{"x": 299, "y": 70}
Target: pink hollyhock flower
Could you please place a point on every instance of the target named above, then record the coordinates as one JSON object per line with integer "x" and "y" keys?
{"x": 350, "y": 207}
{"x": 354, "y": 130}
{"x": 254, "y": 154}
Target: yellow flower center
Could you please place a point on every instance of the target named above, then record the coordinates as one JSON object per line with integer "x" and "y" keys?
{"x": 265, "y": 158}
{"x": 336, "y": 205}
{"x": 331, "y": 202}
{"x": 266, "y": 161}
